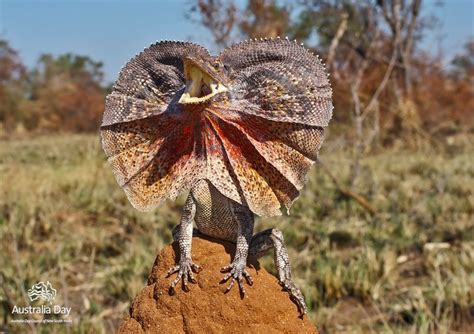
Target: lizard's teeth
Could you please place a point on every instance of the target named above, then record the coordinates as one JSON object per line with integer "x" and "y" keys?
{"x": 214, "y": 87}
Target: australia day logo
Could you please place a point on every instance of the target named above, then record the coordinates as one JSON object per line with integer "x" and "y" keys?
{"x": 42, "y": 291}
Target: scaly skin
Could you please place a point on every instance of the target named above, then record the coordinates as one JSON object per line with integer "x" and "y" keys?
{"x": 240, "y": 131}
{"x": 220, "y": 217}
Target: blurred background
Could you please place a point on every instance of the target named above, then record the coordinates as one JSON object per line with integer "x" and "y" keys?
{"x": 382, "y": 238}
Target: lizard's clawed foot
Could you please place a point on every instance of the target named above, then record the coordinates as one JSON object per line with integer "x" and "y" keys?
{"x": 185, "y": 270}
{"x": 236, "y": 270}
{"x": 295, "y": 295}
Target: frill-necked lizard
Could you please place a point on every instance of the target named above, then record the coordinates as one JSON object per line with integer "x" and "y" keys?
{"x": 240, "y": 131}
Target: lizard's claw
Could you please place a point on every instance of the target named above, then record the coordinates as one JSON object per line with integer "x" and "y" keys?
{"x": 185, "y": 270}
{"x": 236, "y": 270}
{"x": 295, "y": 295}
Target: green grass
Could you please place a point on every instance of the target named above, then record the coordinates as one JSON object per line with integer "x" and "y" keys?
{"x": 64, "y": 219}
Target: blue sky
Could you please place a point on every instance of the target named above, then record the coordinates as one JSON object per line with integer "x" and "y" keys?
{"x": 113, "y": 31}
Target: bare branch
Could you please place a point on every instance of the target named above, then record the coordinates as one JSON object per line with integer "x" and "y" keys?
{"x": 336, "y": 39}
{"x": 406, "y": 53}
{"x": 219, "y": 17}
{"x": 393, "y": 59}
{"x": 386, "y": 15}
{"x": 347, "y": 192}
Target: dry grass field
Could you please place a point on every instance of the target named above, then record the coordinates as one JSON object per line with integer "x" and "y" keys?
{"x": 407, "y": 269}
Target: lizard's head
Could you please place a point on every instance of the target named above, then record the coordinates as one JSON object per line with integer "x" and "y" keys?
{"x": 204, "y": 79}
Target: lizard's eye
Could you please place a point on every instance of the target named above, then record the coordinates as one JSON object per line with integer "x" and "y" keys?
{"x": 216, "y": 66}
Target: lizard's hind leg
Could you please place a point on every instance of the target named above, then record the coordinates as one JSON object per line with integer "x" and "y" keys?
{"x": 261, "y": 243}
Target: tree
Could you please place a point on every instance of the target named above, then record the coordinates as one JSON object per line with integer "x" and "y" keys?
{"x": 66, "y": 93}
{"x": 464, "y": 63}
{"x": 227, "y": 23}
{"x": 217, "y": 16}
{"x": 12, "y": 87}
{"x": 265, "y": 18}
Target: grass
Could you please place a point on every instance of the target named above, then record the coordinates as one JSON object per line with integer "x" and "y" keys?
{"x": 409, "y": 268}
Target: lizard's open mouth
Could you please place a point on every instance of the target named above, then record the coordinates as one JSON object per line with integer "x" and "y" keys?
{"x": 200, "y": 86}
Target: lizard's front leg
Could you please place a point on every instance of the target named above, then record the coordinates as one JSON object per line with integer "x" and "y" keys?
{"x": 183, "y": 234}
{"x": 236, "y": 269}
{"x": 273, "y": 238}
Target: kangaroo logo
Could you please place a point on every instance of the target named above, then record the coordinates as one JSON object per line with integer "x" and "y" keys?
{"x": 43, "y": 291}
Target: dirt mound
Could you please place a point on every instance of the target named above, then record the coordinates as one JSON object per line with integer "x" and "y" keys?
{"x": 206, "y": 309}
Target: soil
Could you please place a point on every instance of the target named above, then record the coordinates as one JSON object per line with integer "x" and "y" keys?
{"x": 265, "y": 308}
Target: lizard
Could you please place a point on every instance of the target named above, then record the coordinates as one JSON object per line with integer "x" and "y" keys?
{"x": 239, "y": 131}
